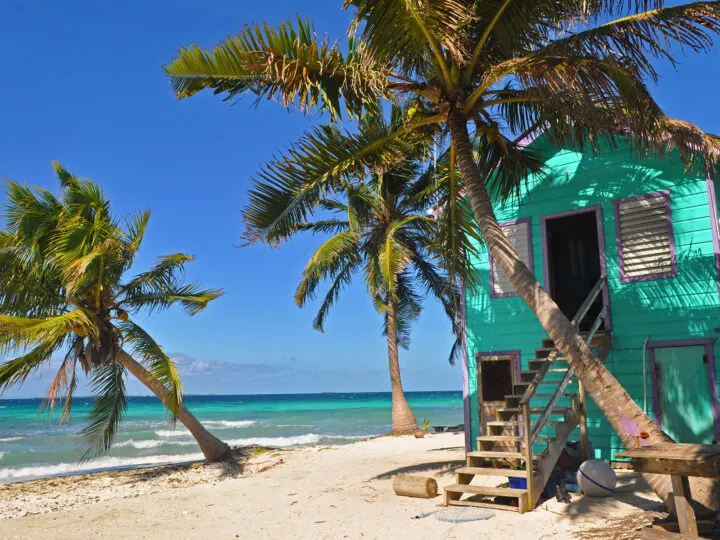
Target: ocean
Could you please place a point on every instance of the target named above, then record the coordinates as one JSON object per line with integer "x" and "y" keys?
{"x": 34, "y": 446}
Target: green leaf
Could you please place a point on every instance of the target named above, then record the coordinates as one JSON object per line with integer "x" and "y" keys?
{"x": 285, "y": 63}
{"x": 159, "y": 365}
{"x": 107, "y": 385}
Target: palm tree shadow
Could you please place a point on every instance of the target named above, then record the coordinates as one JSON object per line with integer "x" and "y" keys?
{"x": 626, "y": 492}
{"x": 437, "y": 467}
{"x": 229, "y": 468}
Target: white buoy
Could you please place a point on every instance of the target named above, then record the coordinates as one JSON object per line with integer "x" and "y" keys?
{"x": 596, "y": 478}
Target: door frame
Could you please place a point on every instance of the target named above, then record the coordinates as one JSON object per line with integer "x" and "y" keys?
{"x": 515, "y": 367}
{"x": 712, "y": 381}
{"x": 598, "y": 211}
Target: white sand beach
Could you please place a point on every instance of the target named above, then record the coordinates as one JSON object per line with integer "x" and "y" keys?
{"x": 316, "y": 492}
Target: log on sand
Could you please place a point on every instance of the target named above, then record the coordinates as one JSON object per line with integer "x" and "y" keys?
{"x": 415, "y": 486}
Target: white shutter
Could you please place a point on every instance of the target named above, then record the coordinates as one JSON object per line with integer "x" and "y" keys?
{"x": 518, "y": 233}
{"x": 645, "y": 237}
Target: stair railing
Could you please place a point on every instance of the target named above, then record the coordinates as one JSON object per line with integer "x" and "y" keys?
{"x": 576, "y": 320}
{"x": 529, "y": 434}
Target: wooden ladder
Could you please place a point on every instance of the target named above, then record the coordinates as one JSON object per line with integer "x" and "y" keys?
{"x": 531, "y": 428}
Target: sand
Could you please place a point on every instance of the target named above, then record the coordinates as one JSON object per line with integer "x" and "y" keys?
{"x": 318, "y": 492}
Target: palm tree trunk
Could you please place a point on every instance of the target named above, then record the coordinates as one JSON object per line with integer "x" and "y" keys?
{"x": 212, "y": 448}
{"x": 403, "y": 419}
{"x": 623, "y": 414}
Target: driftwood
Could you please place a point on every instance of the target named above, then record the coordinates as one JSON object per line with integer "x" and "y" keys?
{"x": 415, "y": 486}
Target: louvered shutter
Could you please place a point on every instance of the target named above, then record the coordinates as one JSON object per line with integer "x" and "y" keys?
{"x": 645, "y": 237}
{"x": 518, "y": 233}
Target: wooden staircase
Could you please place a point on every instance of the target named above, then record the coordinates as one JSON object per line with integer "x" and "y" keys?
{"x": 531, "y": 429}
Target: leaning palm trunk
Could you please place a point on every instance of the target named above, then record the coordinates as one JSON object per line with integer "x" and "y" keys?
{"x": 623, "y": 414}
{"x": 212, "y": 448}
{"x": 403, "y": 419}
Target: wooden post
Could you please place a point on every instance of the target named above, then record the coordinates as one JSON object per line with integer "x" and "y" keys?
{"x": 685, "y": 513}
{"x": 584, "y": 442}
{"x": 529, "y": 469}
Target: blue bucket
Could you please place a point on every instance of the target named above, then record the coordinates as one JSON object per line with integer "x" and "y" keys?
{"x": 517, "y": 483}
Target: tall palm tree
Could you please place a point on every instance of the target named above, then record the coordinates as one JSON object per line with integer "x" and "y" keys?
{"x": 381, "y": 230}
{"x": 477, "y": 70}
{"x": 63, "y": 291}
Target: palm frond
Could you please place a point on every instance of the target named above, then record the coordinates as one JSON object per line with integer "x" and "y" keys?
{"x": 328, "y": 261}
{"x": 291, "y": 185}
{"x": 159, "y": 365}
{"x": 639, "y": 37}
{"x": 191, "y": 297}
{"x": 17, "y": 370}
{"x": 25, "y": 332}
{"x": 411, "y": 34}
{"x": 108, "y": 388}
{"x": 287, "y": 63}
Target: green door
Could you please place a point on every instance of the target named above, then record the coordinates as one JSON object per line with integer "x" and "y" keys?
{"x": 683, "y": 389}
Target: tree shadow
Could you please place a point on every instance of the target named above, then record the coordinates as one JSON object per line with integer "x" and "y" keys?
{"x": 229, "y": 468}
{"x": 438, "y": 467}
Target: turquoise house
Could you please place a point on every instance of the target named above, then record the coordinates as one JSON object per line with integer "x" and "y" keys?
{"x": 651, "y": 227}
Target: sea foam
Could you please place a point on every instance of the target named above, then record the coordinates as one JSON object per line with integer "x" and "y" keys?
{"x": 9, "y": 439}
{"x": 141, "y": 445}
{"x": 12, "y": 474}
{"x": 229, "y": 423}
{"x": 173, "y": 433}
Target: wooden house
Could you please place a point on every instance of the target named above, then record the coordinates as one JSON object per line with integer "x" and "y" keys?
{"x": 635, "y": 244}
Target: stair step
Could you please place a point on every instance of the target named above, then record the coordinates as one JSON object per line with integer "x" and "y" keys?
{"x": 512, "y": 423}
{"x": 540, "y": 396}
{"x": 491, "y": 471}
{"x": 510, "y": 438}
{"x": 544, "y": 352}
{"x": 486, "y": 490}
{"x": 533, "y": 410}
{"x": 481, "y": 504}
{"x": 501, "y": 455}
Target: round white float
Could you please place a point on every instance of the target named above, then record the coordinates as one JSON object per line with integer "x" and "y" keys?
{"x": 596, "y": 478}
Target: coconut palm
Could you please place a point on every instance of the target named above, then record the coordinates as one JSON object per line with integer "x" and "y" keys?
{"x": 380, "y": 230}
{"x": 477, "y": 70}
{"x": 64, "y": 291}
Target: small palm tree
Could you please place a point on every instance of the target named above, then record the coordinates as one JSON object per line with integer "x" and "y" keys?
{"x": 381, "y": 230}
{"x": 480, "y": 71}
{"x": 63, "y": 291}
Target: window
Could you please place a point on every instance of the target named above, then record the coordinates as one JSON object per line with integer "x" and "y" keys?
{"x": 646, "y": 247}
{"x": 518, "y": 232}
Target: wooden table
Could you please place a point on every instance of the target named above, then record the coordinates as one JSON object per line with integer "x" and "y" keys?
{"x": 679, "y": 461}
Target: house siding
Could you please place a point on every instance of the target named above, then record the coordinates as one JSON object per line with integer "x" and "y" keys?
{"x": 675, "y": 308}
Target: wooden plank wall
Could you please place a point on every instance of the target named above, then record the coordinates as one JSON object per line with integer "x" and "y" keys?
{"x": 668, "y": 309}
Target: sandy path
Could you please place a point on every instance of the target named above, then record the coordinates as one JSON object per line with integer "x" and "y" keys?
{"x": 336, "y": 492}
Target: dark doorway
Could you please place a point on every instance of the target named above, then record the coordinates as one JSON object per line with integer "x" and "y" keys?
{"x": 573, "y": 252}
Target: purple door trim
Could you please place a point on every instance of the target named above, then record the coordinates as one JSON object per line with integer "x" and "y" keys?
{"x": 712, "y": 379}
{"x": 714, "y": 226}
{"x": 601, "y": 248}
{"x": 531, "y": 265}
{"x": 671, "y": 235}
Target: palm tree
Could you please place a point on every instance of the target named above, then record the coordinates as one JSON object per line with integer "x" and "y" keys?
{"x": 478, "y": 70}
{"x": 63, "y": 291}
{"x": 380, "y": 229}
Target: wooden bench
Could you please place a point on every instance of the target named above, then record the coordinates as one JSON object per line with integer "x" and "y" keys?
{"x": 679, "y": 461}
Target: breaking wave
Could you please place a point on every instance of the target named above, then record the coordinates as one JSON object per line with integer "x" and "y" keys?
{"x": 229, "y": 423}
{"x": 12, "y": 474}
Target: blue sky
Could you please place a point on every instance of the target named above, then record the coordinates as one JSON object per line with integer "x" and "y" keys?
{"x": 83, "y": 84}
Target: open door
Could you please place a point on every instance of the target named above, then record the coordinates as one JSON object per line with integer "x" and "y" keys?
{"x": 574, "y": 261}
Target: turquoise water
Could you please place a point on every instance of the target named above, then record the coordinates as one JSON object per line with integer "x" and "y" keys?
{"x": 33, "y": 445}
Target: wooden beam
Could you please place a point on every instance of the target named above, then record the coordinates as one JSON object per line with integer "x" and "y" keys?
{"x": 683, "y": 509}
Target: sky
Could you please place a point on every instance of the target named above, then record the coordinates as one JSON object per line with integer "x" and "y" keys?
{"x": 83, "y": 84}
